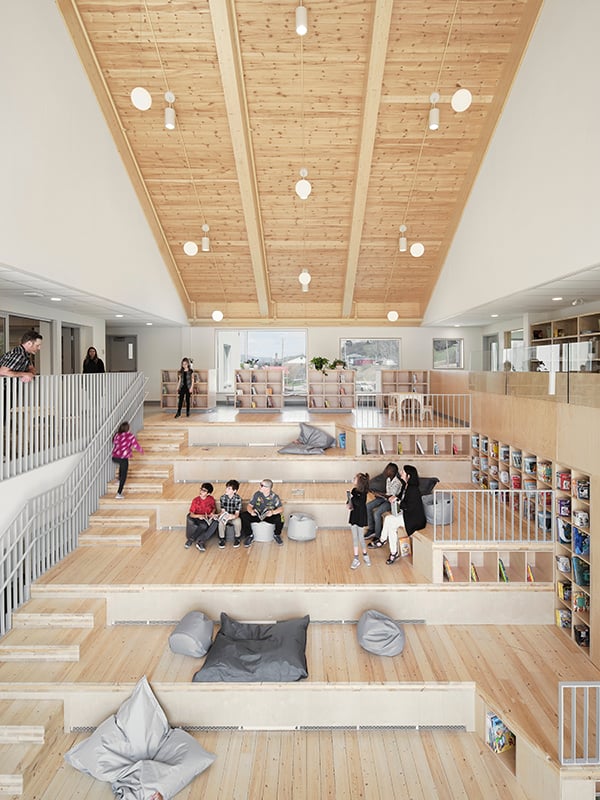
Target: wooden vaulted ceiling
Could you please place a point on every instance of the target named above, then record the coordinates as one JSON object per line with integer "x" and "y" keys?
{"x": 255, "y": 103}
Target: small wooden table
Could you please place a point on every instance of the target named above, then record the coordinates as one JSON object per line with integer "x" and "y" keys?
{"x": 396, "y": 400}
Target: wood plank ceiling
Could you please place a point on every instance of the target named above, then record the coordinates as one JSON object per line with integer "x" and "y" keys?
{"x": 255, "y": 103}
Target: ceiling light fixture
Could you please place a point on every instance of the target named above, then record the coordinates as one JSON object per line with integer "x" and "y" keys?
{"x": 417, "y": 249}
{"x": 118, "y": 316}
{"x": 170, "y": 111}
{"x": 149, "y": 324}
{"x": 56, "y": 299}
{"x": 556, "y": 299}
{"x": 190, "y": 248}
{"x": 577, "y": 302}
{"x": 461, "y": 100}
{"x": 392, "y": 316}
{"x": 141, "y": 98}
{"x": 402, "y": 243}
{"x": 205, "y": 239}
{"x": 217, "y": 315}
{"x": 305, "y": 279}
{"x": 303, "y": 187}
{"x": 434, "y": 112}
{"x": 301, "y": 21}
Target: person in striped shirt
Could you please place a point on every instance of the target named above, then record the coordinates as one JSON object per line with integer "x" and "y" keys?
{"x": 17, "y": 362}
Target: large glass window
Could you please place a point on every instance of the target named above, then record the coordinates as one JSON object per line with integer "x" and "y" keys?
{"x": 284, "y": 349}
{"x": 367, "y": 357}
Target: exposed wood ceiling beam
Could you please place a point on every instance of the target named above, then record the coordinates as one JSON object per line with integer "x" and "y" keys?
{"x": 230, "y": 64}
{"x": 372, "y": 96}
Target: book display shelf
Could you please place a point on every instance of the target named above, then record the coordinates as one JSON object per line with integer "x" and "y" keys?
{"x": 404, "y": 380}
{"x": 506, "y": 563}
{"x": 204, "y": 390}
{"x": 438, "y": 442}
{"x": 259, "y": 389}
{"x": 584, "y": 330}
{"x": 331, "y": 390}
{"x": 565, "y": 510}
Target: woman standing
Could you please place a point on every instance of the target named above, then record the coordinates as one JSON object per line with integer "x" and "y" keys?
{"x": 186, "y": 380}
{"x": 92, "y": 363}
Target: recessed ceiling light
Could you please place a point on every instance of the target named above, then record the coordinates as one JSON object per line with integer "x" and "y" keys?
{"x": 148, "y": 323}
{"x": 118, "y": 315}
{"x": 494, "y": 315}
{"x": 56, "y": 299}
{"x": 556, "y": 299}
{"x": 33, "y": 294}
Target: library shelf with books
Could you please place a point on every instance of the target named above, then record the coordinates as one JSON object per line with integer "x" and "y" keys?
{"x": 430, "y": 443}
{"x": 259, "y": 389}
{"x": 331, "y": 390}
{"x": 204, "y": 390}
{"x": 501, "y": 740}
{"x": 403, "y": 380}
{"x": 470, "y": 562}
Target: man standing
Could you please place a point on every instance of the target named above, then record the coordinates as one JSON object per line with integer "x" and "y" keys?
{"x": 17, "y": 362}
{"x": 265, "y": 506}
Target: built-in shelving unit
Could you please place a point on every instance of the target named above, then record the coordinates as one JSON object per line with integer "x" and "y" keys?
{"x": 204, "y": 390}
{"x": 403, "y": 380}
{"x": 565, "y": 509}
{"x": 426, "y": 442}
{"x": 509, "y": 563}
{"x": 583, "y": 330}
{"x": 331, "y": 390}
{"x": 259, "y": 389}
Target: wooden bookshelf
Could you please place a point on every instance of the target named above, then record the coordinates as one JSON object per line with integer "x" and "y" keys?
{"x": 583, "y": 330}
{"x": 259, "y": 389}
{"x": 331, "y": 390}
{"x": 432, "y": 443}
{"x": 203, "y": 394}
{"x": 392, "y": 381}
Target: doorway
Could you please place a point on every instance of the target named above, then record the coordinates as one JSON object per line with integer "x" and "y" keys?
{"x": 69, "y": 350}
{"x": 490, "y": 353}
{"x": 121, "y": 352}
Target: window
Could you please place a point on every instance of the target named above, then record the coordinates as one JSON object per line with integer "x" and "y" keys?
{"x": 367, "y": 357}
{"x": 447, "y": 353}
{"x": 271, "y": 348}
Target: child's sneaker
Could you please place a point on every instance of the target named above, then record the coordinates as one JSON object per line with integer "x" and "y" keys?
{"x": 355, "y": 563}
{"x": 119, "y": 496}
{"x": 367, "y": 560}
{"x": 221, "y": 543}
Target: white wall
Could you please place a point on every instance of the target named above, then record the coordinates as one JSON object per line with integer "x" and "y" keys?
{"x": 163, "y": 348}
{"x": 533, "y": 213}
{"x": 67, "y": 208}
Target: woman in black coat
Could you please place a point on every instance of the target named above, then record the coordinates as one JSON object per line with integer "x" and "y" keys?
{"x": 411, "y": 514}
{"x": 92, "y": 363}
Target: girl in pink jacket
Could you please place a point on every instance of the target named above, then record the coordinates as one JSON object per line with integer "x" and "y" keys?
{"x": 123, "y": 443}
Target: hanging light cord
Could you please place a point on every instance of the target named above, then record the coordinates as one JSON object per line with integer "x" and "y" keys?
{"x": 424, "y": 138}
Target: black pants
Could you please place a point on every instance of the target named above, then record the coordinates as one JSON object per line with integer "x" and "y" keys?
{"x": 199, "y": 530}
{"x": 184, "y": 392}
{"x": 123, "y": 469}
{"x": 248, "y": 518}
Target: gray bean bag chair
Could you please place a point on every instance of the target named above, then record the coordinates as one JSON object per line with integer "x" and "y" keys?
{"x": 192, "y": 636}
{"x": 312, "y": 441}
{"x": 439, "y": 508}
{"x": 138, "y": 753}
{"x": 379, "y": 634}
{"x": 247, "y": 651}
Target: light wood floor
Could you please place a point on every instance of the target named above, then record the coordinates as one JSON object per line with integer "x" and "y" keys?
{"x": 516, "y": 669}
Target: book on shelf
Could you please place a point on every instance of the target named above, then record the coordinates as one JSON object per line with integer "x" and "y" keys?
{"x": 269, "y": 402}
{"x": 399, "y": 448}
{"x": 447, "y": 570}
{"x": 342, "y": 390}
{"x": 498, "y": 736}
{"x": 269, "y": 390}
{"x": 581, "y": 602}
{"x": 253, "y": 390}
{"x": 382, "y": 447}
{"x": 563, "y": 618}
{"x": 563, "y": 589}
{"x": 454, "y": 449}
{"x": 474, "y": 575}
{"x": 420, "y": 448}
{"x": 502, "y": 571}
{"x": 253, "y": 377}
{"x": 363, "y": 448}
{"x": 326, "y": 403}
{"x": 238, "y": 378}
{"x": 530, "y": 578}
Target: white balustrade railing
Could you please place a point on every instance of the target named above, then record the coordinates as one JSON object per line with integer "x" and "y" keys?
{"x": 48, "y": 526}
{"x": 494, "y": 515}
{"x": 417, "y": 409}
{"x": 579, "y": 723}
{"x": 53, "y": 416}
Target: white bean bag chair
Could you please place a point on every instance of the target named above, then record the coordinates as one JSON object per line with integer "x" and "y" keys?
{"x": 192, "y": 636}
{"x": 379, "y": 634}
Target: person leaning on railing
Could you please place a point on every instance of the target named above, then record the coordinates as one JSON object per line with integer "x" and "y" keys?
{"x": 17, "y": 362}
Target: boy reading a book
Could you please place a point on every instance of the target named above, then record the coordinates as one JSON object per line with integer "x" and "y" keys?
{"x": 231, "y": 506}
{"x": 265, "y": 506}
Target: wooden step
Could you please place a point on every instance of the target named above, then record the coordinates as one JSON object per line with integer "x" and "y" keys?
{"x": 146, "y": 469}
{"x": 137, "y": 486}
{"x": 42, "y": 644}
{"x": 60, "y": 612}
{"x": 26, "y": 745}
{"x": 42, "y": 652}
{"x": 113, "y": 517}
{"x": 121, "y": 536}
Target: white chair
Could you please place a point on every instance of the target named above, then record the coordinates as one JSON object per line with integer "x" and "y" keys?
{"x": 426, "y": 408}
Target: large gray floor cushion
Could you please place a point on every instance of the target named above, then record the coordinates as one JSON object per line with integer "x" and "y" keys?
{"x": 256, "y": 652}
{"x": 379, "y": 634}
{"x": 312, "y": 441}
{"x": 138, "y": 753}
{"x": 192, "y": 636}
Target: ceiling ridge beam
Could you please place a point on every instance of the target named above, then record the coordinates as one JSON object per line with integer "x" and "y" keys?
{"x": 377, "y": 57}
{"x": 230, "y": 65}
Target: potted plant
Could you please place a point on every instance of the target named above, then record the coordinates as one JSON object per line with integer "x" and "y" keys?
{"x": 319, "y": 362}
{"x": 337, "y": 363}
